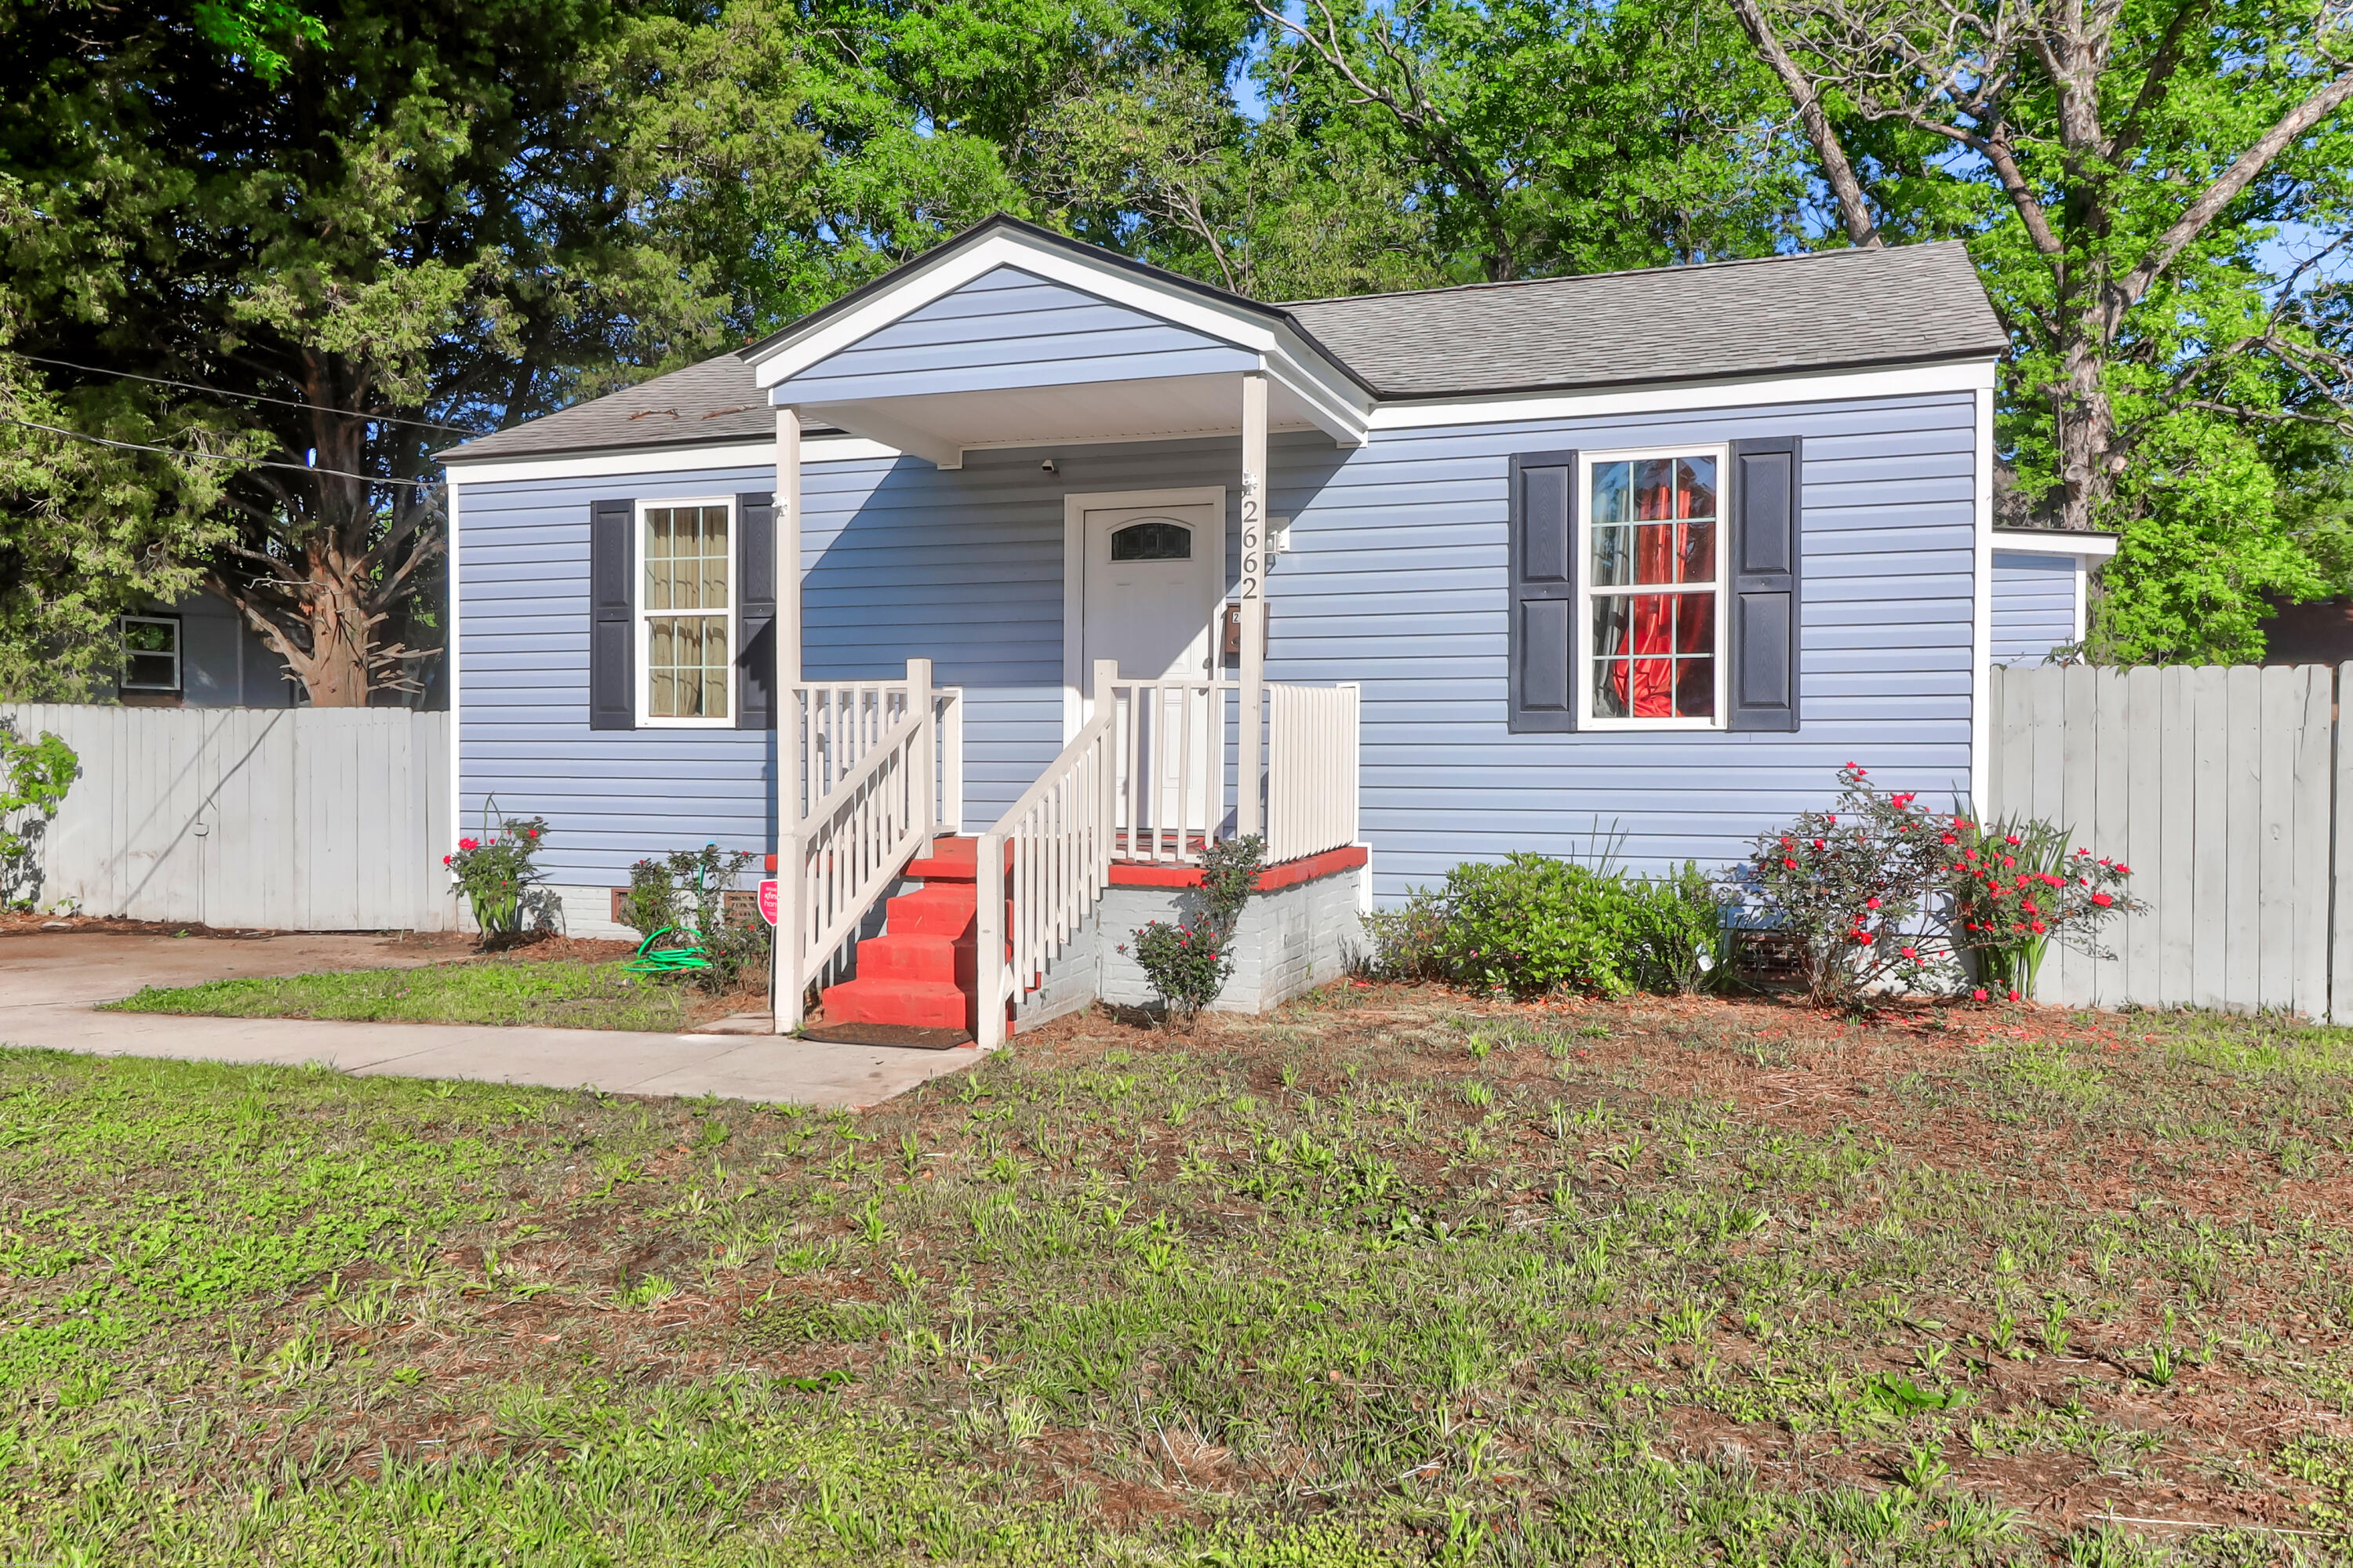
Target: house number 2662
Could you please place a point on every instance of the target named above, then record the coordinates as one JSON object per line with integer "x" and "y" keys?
{"x": 1252, "y": 530}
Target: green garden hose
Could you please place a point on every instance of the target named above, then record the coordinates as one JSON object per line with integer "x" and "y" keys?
{"x": 653, "y": 960}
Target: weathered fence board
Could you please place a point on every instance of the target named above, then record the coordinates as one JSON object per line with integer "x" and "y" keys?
{"x": 278, "y": 818}
{"x": 2228, "y": 792}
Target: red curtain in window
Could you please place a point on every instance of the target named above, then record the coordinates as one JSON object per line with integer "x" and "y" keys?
{"x": 1656, "y": 550}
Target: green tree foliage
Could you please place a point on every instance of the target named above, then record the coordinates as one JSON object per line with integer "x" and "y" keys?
{"x": 1542, "y": 137}
{"x": 2116, "y": 169}
{"x": 403, "y": 222}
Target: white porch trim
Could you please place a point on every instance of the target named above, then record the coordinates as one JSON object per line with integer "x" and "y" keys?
{"x": 1697, "y": 397}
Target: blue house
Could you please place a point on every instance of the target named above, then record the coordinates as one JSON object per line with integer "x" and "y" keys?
{"x": 982, "y": 599}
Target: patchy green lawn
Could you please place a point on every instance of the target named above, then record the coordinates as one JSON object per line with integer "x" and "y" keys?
{"x": 1393, "y": 1278}
{"x": 561, "y": 993}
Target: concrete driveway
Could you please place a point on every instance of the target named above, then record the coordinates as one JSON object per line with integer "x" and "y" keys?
{"x": 51, "y": 981}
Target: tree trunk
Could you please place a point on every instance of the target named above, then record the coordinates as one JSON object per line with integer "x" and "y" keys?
{"x": 332, "y": 635}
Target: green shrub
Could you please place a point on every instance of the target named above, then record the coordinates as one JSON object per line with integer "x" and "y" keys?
{"x": 1188, "y": 963}
{"x": 1535, "y": 924}
{"x": 686, "y": 891}
{"x": 1678, "y": 930}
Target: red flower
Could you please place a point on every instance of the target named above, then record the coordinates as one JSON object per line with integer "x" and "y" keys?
{"x": 1951, "y": 840}
{"x": 470, "y": 843}
{"x": 1819, "y": 844}
{"x": 2123, "y": 870}
{"x": 2006, "y": 863}
{"x": 531, "y": 833}
{"x": 1968, "y": 854}
{"x": 1977, "y": 995}
{"x": 2028, "y": 905}
{"x": 1863, "y": 935}
{"x": 1871, "y": 903}
{"x": 2013, "y": 996}
{"x": 447, "y": 858}
{"x": 2102, "y": 899}
{"x": 1787, "y": 862}
{"x": 2083, "y": 852}
{"x": 1911, "y": 953}
{"x": 2012, "y": 839}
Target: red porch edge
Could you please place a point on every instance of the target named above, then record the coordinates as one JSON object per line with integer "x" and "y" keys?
{"x": 1347, "y": 857}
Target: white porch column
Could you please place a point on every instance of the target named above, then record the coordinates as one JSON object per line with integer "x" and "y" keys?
{"x": 784, "y": 982}
{"x": 1248, "y": 815}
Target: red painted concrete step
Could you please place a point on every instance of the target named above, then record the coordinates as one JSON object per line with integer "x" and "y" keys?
{"x": 921, "y": 972}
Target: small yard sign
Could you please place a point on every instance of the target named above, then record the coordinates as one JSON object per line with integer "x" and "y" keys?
{"x": 768, "y": 900}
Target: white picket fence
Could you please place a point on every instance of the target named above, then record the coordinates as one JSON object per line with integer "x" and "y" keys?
{"x": 278, "y": 818}
{"x": 2229, "y": 791}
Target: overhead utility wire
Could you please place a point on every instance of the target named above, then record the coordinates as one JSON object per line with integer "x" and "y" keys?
{"x": 215, "y": 457}
{"x": 251, "y": 396}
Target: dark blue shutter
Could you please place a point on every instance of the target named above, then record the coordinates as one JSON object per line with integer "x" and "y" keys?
{"x": 756, "y": 611}
{"x": 1767, "y": 547}
{"x": 1543, "y": 593}
{"x": 612, "y": 627}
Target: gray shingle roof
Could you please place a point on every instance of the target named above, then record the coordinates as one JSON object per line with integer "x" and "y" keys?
{"x": 1830, "y": 309}
{"x": 1823, "y": 311}
{"x": 712, "y": 401}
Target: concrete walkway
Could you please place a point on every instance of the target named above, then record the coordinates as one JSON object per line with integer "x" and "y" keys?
{"x": 49, "y": 982}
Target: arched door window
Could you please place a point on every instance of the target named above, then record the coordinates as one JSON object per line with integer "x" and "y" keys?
{"x": 1153, "y": 540}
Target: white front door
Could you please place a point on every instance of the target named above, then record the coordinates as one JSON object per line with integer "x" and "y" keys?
{"x": 1152, "y": 590}
{"x": 1150, "y": 601}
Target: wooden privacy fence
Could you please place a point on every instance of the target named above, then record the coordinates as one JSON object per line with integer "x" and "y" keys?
{"x": 280, "y": 819}
{"x": 2229, "y": 791}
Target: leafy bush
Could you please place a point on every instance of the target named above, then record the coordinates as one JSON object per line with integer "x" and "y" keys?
{"x": 686, "y": 891}
{"x": 1882, "y": 893}
{"x": 2014, "y": 887}
{"x": 1536, "y": 923}
{"x": 1678, "y": 929}
{"x": 33, "y": 777}
{"x": 493, "y": 872}
{"x": 1404, "y": 941}
{"x": 1188, "y": 963}
{"x": 1850, "y": 888}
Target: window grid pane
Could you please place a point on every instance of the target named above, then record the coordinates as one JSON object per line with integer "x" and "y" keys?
{"x": 687, "y": 663}
{"x": 1653, "y": 587}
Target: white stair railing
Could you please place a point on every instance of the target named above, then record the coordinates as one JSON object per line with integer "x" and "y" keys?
{"x": 878, "y": 773}
{"x": 1043, "y": 865}
{"x": 1311, "y": 769}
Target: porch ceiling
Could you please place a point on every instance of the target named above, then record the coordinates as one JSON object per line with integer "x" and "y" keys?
{"x": 939, "y": 427}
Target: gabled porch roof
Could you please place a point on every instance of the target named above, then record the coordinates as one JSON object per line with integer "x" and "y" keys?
{"x": 1012, "y": 335}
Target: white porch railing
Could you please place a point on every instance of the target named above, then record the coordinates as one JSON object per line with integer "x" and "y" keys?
{"x": 1171, "y": 741}
{"x": 1042, "y": 866}
{"x": 1311, "y": 769}
{"x": 878, "y": 773}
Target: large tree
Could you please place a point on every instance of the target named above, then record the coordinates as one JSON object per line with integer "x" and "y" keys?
{"x": 363, "y": 235}
{"x": 2117, "y": 165}
{"x": 1540, "y": 137}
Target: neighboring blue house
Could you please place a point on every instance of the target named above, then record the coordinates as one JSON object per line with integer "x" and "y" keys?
{"x": 1487, "y": 568}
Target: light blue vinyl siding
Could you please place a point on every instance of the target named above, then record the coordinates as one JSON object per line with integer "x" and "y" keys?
{"x": 1007, "y": 329}
{"x": 610, "y": 797}
{"x": 1396, "y": 579}
{"x": 2033, "y": 606}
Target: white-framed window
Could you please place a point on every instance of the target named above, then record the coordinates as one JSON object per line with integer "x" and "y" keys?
{"x": 151, "y": 652}
{"x": 686, "y": 612}
{"x": 1650, "y": 620}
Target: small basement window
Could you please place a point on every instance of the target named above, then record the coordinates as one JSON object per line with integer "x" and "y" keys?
{"x": 151, "y": 652}
{"x": 1654, "y": 591}
{"x": 686, "y": 614}
{"x": 1153, "y": 540}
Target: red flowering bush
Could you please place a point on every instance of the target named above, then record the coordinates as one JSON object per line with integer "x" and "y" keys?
{"x": 1188, "y": 963}
{"x": 2015, "y": 886}
{"x": 1885, "y": 892}
{"x": 1852, "y": 887}
{"x": 492, "y": 871}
